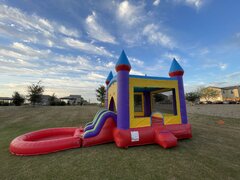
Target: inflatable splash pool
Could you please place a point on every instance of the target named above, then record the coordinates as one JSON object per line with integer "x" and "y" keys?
{"x": 46, "y": 141}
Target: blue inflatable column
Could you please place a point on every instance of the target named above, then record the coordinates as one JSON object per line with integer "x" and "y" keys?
{"x": 123, "y": 68}
{"x": 109, "y": 78}
{"x": 177, "y": 71}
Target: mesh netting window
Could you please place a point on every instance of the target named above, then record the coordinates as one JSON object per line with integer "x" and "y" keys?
{"x": 164, "y": 102}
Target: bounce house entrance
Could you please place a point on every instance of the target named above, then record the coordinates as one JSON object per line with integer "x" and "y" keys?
{"x": 112, "y": 106}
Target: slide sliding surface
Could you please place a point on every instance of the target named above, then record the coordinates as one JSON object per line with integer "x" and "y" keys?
{"x": 98, "y": 124}
{"x": 91, "y": 124}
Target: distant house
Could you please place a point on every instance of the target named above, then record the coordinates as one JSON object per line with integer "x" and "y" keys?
{"x": 6, "y": 100}
{"x": 45, "y": 100}
{"x": 230, "y": 93}
{"x": 73, "y": 99}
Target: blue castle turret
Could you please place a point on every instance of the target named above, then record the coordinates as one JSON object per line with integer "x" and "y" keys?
{"x": 123, "y": 68}
{"x": 177, "y": 71}
{"x": 109, "y": 78}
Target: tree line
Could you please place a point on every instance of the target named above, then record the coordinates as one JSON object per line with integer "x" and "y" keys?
{"x": 34, "y": 96}
{"x": 35, "y": 93}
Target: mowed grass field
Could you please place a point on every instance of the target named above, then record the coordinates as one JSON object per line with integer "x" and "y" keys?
{"x": 212, "y": 153}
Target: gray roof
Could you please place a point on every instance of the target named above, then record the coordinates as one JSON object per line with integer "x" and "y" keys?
{"x": 72, "y": 97}
{"x": 230, "y": 87}
{"x": 225, "y": 88}
{"x": 6, "y": 98}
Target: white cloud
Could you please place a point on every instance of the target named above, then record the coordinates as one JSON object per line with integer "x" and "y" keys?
{"x": 79, "y": 74}
{"x": 7, "y": 61}
{"x": 183, "y": 61}
{"x": 222, "y": 66}
{"x": 95, "y": 76}
{"x": 31, "y": 28}
{"x": 133, "y": 37}
{"x": 27, "y": 50}
{"x": 78, "y": 62}
{"x": 156, "y": 2}
{"x": 135, "y": 72}
{"x": 196, "y": 3}
{"x": 11, "y": 54}
{"x": 11, "y": 70}
{"x": 192, "y": 3}
{"x": 110, "y": 65}
{"x": 129, "y": 14}
{"x": 223, "y": 81}
{"x": 22, "y": 21}
{"x": 204, "y": 51}
{"x": 87, "y": 47}
{"x": 154, "y": 36}
{"x": 19, "y": 55}
{"x": 68, "y": 32}
{"x": 170, "y": 56}
{"x": 136, "y": 24}
{"x": 96, "y": 31}
{"x": 65, "y": 86}
{"x": 233, "y": 75}
{"x": 61, "y": 85}
{"x": 135, "y": 61}
{"x": 26, "y": 60}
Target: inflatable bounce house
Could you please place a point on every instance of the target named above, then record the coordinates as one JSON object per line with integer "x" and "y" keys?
{"x": 139, "y": 110}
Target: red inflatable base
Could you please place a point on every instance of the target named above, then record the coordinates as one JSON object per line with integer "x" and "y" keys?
{"x": 166, "y": 136}
{"x": 46, "y": 141}
{"x": 56, "y": 139}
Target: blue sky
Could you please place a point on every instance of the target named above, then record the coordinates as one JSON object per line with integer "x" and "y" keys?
{"x": 72, "y": 45}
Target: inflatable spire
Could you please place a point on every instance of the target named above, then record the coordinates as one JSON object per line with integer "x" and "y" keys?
{"x": 123, "y": 63}
{"x": 109, "y": 78}
{"x": 176, "y": 69}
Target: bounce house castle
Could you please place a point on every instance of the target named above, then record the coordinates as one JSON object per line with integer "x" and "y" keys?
{"x": 138, "y": 110}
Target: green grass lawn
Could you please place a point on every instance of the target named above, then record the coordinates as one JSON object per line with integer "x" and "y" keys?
{"x": 212, "y": 153}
